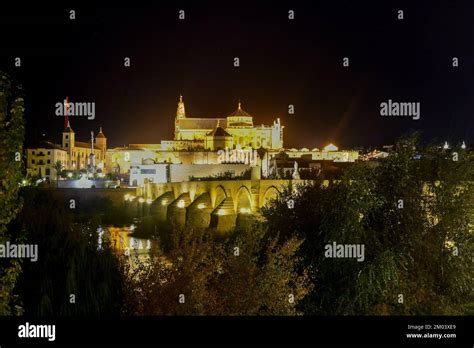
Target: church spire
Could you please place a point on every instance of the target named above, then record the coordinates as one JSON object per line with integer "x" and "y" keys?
{"x": 180, "y": 112}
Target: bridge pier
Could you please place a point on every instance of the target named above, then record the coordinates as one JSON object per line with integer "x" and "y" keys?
{"x": 176, "y": 213}
{"x": 199, "y": 212}
{"x": 159, "y": 207}
{"x": 223, "y": 218}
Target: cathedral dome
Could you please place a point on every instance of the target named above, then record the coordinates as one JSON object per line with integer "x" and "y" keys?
{"x": 239, "y": 112}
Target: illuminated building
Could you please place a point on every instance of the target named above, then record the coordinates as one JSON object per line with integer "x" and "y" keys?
{"x": 73, "y": 155}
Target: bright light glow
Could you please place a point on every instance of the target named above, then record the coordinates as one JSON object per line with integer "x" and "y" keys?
{"x": 149, "y": 201}
{"x": 245, "y": 210}
{"x": 141, "y": 199}
{"x": 180, "y": 204}
{"x": 131, "y": 198}
{"x": 24, "y": 182}
{"x": 330, "y": 147}
{"x": 69, "y": 175}
{"x": 126, "y": 197}
{"x": 201, "y": 206}
{"x": 463, "y": 146}
{"x": 83, "y": 182}
{"x": 446, "y": 145}
{"x": 164, "y": 202}
{"x": 220, "y": 212}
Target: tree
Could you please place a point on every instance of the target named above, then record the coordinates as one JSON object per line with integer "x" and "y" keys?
{"x": 11, "y": 143}
{"x": 413, "y": 213}
{"x": 202, "y": 275}
{"x": 73, "y": 276}
{"x": 58, "y": 166}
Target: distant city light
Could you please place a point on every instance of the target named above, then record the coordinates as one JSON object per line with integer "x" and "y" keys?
{"x": 463, "y": 146}
{"x": 330, "y": 147}
{"x": 446, "y": 145}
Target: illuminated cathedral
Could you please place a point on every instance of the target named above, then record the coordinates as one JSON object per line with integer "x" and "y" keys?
{"x": 237, "y": 130}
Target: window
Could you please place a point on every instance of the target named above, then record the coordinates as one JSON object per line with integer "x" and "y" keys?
{"x": 49, "y": 161}
{"x": 67, "y": 136}
{"x": 148, "y": 171}
{"x": 33, "y": 152}
{"x": 32, "y": 161}
{"x": 66, "y": 145}
{"x": 49, "y": 152}
{"x": 47, "y": 171}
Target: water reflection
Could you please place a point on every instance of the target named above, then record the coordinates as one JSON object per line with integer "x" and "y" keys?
{"x": 122, "y": 240}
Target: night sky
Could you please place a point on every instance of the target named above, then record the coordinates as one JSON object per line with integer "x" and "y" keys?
{"x": 282, "y": 62}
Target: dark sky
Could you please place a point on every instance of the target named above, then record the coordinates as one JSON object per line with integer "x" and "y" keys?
{"x": 283, "y": 62}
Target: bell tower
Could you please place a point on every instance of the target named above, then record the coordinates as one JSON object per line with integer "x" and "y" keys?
{"x": 68, "y": 143}
{"x": 180, "y": 114}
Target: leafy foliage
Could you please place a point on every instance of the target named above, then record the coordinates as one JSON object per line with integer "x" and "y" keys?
{"x": 11, "y": 143}
{"x": 70, "y": 262}
{"x": 410, "y": 214}
{"x": 214, "y": 279}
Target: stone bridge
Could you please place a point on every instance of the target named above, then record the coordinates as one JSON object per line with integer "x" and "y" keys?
{"x": 220, "y": 204}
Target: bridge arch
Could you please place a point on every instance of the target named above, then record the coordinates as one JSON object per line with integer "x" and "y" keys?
{"x": 218, "y": 194}
{"x": 243, "y": 201}
{"x": 271, "y": 193}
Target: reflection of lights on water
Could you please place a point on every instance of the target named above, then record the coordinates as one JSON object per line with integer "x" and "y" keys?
{"x": 201, "y": 206}
{"x": 121, "y": 240}
{"x": 100, "y": 238}
{"x": 149, "y": 201}
{"x": 180, "y": 204}
{"x": 126, "y": 197}
{"x": 141, "y": 200}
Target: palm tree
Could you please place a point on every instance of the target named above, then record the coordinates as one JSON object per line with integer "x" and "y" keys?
{"x": 59, "y": 168}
